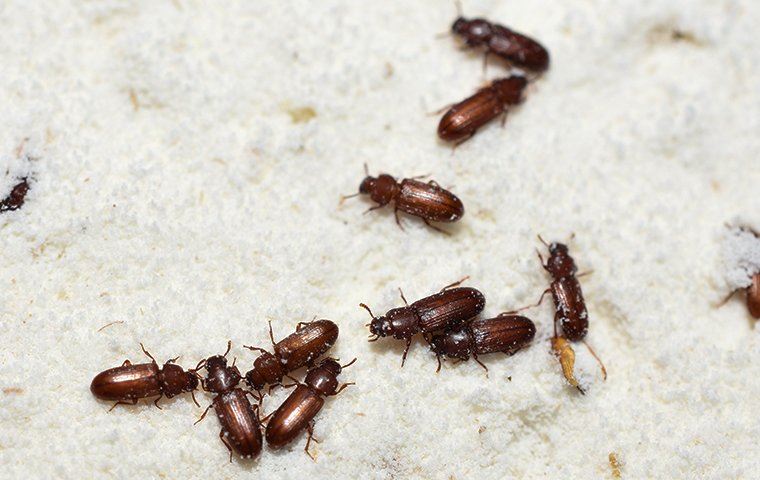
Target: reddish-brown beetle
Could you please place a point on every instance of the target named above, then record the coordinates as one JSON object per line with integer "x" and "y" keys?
{"x": 310, "y": 340}
{"x": 505, "y": 333}
{"x": 241, "y": 427}
{"x": 570, "y": 313}
{"x": 515, "y": 48}
{"x": 451, "y": 306}
{"x": 463, "y": 119}
{"x": 297, "y": 412}
{"x": 128, "y": 383}
{"x": 428, "y": 200}
{"x": 15, "y": 199}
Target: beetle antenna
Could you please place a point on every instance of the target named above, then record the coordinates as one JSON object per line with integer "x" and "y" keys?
{"x": 192, "y": 394}
{"x": 542, "y": 240}
{"x": 368, "y": 310}
{"x": 146, "y": 353}
{"x": 366, "y": 169}
{"x": 229, "y": 346}
{"x": 343, "y": 198}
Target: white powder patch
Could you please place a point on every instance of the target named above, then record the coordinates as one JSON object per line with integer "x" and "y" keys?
{"x": 741, "y": 256}
{"x": 173, "y": 190}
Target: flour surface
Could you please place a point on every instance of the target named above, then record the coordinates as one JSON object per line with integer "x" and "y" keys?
{"x": 186, "y": 160}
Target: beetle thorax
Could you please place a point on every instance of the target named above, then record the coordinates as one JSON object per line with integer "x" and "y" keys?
{"x": 457, "y": 344}
{"x": 560, "y": 263}
{"x": 324, "y": 378}
{"x": 174, "y": 380}
{"x": 221, "y": 378}
{"x": 266, "y": 369}
{"x": 476, "y": 31}
{"x": 510, "y": 90}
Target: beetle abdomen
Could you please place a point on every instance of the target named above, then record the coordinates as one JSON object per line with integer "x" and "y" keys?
{"x": 293, "y": 416}
{"x": 127, "y": 382}
{"x": 449, "y": 307}
{"x": 240, "y": 424}
{"x": 429, "y": 201}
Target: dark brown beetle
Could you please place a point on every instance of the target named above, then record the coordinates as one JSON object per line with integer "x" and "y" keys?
{"x": 570, "y": 313}
{"x": 463, "y": 119}
{"x": 310, "y": 340}
{"x": 428, "y": 200}
{"x": 128, "y": 383}
{"x": 449, "y": 307}
{"x": 241, "y": 427}
{"x": 505, "y": 333}
{"x": 297, "y": 412}
{"x": 517, "y": 49}
{"x": 15, "y": 199}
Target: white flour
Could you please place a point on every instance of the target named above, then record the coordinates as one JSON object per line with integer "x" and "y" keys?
{"x": 174, "y": 190}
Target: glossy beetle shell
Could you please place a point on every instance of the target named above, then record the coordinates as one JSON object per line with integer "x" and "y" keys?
{"x": 505, "y": 333}
{"x": 127, "y": 382}
{"x": 306, "y": 344}
{"x": 429, "y": 201}
{"x": 293, "y": 416}
{"x": 240, "y": 424}
{"x": 448, "y": 307}
{"x": 571, "y": 313}
{"x": 464, "y": 118}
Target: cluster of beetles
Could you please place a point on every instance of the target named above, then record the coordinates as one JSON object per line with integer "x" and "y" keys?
{"x": 446, "y": 320}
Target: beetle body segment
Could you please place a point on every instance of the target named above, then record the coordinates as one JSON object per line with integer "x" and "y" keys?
{"x": 240, "y": 423}
{"x": 571, "y": 313}
{"x": 428, "y": 201}
{"x": 127, "y": 382}
{"x": 293, "y": 416}
{"x": 463, "y": 119}
{"x": 505, "y": 333}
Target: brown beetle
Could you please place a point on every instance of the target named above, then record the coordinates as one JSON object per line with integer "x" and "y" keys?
{"x": 241, "y": 427}
{"x": 128, "y": 383}
{"x": 504, "y": 333}
{"x": 428, "y": 200}
{"x": 297, "y": 412}
{"x": 753, "y": 290}
{"x": 310, "y": 340}
{"x": 570, "y": 307}
{"x": 515, "y": 48}
{"x": 463, "y": 119}
{"x": 15, "y": 199}
{"x": 449, "y": 307}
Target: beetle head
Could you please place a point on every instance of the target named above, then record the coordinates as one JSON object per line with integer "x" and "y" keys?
{"x": 266, "y": 369}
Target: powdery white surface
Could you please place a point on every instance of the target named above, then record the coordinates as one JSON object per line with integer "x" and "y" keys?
{"x": 741, "y": 256}
{"x": 173, "y": 192}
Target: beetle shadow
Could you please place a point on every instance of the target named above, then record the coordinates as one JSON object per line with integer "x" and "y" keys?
{"x": 148, "y": 402}
{"x": 398, "y": 346}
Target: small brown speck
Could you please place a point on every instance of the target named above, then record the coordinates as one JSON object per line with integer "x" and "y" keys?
{"x": 481, "y": 429}
{"x": 615, "y": 465}
{"x": 133, "y": 99}
{"x": 109, "y": 324}
{"x": 388, "y": 70}
{"x": 13, "y": 390}
{"x": 301, "y": 114}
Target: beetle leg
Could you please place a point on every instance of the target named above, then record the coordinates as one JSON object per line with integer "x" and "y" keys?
{"x": 229, "y": 346}
{"x": 172, "y": 360}
{"x": 420, "y": 177}
{"x": 589, "y": 272}
{"x": 373, "y": 208}
{"x": 485, "y": 62}
{"x": 434, "y": 227}
{"x": 120, "y": 402}
{"x": 300, "y": 325}
{"x": 398, "y": 221}
{"x": 310, "y": 430}
{"x": 722, "y": 302}
{"x": 475, "y": 357}
{"x": 455, "y": 284}
{"x": 128, "y": 363}
{"x": 459, "y": 142}
{"x": 146, "y": 353}
{"x": 433, "y": 183}
{"x": 343, "y": 367}
{"x": 604, "y": 370}
{"x": 202, "y": 416}
{"x": 406, "y": 350}
{"x": 192, "y": 394}
{"x": 541, "y": 299}
{"x": 224, "y": 441}
{"x": 343, "y": 387}
{"x": 438, "y": 357}
{"x": 155, "y": 402}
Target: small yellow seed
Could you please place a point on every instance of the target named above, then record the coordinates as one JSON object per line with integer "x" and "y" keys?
{"x": 615, "y": 465}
